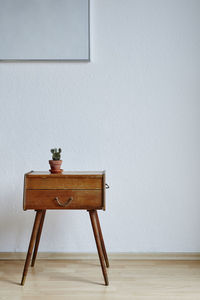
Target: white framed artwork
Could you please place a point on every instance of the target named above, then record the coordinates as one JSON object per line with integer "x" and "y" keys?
{"x": 44, "y": 30}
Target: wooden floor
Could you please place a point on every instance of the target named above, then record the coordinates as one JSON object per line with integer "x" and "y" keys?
{"x": 79, "y": 279}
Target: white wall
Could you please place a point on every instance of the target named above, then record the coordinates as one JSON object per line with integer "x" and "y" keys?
{"x": 133, "y": 110}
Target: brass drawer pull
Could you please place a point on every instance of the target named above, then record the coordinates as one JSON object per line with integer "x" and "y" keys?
{"x": 65, "y": 203}
{"x": 107, "y": 186}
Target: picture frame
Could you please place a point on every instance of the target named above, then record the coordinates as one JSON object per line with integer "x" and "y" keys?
{"x": 47, "y": 30}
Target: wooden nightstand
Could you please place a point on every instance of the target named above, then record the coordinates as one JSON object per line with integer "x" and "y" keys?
{"x": 69, "y": 190}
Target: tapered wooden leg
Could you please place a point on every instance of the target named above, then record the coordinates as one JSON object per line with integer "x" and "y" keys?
{"x": 38, "y": 238}
{"x": 98, "y": 243}
{"x": 31, "y": 244}
{"x": 101, "y": 239}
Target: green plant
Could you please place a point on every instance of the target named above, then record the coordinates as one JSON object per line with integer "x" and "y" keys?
{"x": 56, "y": 153}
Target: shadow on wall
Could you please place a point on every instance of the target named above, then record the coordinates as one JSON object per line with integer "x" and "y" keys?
{"x": 16, "y": 225}
{"x": 63, "y": 231}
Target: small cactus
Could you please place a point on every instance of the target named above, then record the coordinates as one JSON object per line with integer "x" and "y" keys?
{"x": 56, "y": 153}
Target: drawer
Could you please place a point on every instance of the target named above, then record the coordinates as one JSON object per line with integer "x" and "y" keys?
{"x": 63, "y": 182}
{"x": 74, "y": 199}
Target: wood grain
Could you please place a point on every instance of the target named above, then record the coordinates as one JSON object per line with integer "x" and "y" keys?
{"x": 45, "y": 199}
{"x": 38, "y": 238}
{"x": 69, "y": 182}
{"x": 101, "y": 239}
{"x": 80, "y": 280}
{"x": 98, "y": 244}
{"x": 182, "y": 256}
{"x": 31, "y": 244}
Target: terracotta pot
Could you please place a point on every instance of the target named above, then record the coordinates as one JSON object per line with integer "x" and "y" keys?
{"x": 55, "y": 166}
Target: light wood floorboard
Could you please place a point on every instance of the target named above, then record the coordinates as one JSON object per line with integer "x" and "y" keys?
{"x": 82, "y": 280}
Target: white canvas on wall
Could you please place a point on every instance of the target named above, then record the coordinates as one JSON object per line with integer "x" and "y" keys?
{"x": 44, "y": 30}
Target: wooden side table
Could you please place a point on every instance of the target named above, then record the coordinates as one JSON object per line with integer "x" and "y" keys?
{"x": 69, "y": 190}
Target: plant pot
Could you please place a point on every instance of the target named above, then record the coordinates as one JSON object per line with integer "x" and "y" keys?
{"x": 55, "y": 166}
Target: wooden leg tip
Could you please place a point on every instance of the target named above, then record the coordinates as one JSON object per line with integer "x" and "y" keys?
{"x": 23, "y": 280}
{"x": 106, "y": 280}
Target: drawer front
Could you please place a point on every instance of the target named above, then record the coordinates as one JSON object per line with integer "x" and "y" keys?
{"x": 65, "y": 182}
{"x": 63, "y": 199}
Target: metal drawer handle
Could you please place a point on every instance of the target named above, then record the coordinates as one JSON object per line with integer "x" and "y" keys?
{"x": 107, "y": 186}
{"x": 65, "y": 203}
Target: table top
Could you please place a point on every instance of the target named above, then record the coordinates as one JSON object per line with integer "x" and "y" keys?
{"x": 66, "y": 173}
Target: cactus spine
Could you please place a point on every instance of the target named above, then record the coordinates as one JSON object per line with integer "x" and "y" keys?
{"x": 56, "y": 153}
